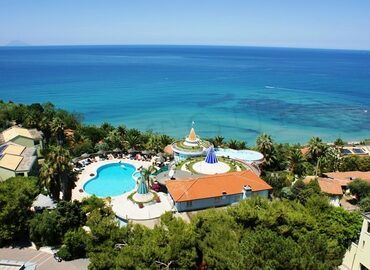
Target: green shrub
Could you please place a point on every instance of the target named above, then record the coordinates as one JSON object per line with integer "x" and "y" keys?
{"x": 74, "y": 245}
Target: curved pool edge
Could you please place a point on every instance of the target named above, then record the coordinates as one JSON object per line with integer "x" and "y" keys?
{"x": 95, "y": 169}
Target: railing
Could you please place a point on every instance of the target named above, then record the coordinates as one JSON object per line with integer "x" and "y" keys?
{"x": 253, "y": 167}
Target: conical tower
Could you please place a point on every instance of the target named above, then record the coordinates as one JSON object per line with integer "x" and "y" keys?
{"x": 192, "y": 136}
{"x": 211, "y": 157}
{"x": 192, "y": 139}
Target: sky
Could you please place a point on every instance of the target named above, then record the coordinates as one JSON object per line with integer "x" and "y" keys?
{"x": 339, "y": 24}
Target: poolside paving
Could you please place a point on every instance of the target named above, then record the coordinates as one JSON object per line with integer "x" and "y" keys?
{"x": 92, "y": 169}
{"x": 124, "y": 208}
{"x": 127, "y": 210}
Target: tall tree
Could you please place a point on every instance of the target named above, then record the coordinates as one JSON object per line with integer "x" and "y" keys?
{"x": 57, "y": 129}
{"x": 146, "y": 173}
{"x": 316, "y": 148}
{"x": 133, "y": 138}
{"x": 48, "y": 179}
{"x": 296, "y": 162}
{"x": 266, "y": 146}
{"x": 16, "y": 197}
{"x": 57, "y": 173}
{"x": 218, "y": 141}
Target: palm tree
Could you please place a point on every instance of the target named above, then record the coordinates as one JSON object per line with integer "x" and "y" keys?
{"x": 316, "y": 148}
{"x": 48, "y": 180}
{"x": 133, "y": 138}
{"x": 44, "y": 126}
{"x": 265, "y": 144}
{"x": 233, "y": 144}
{"x": 339, "y": 143}
{"x": 57, "y": 173}
{"x": 57, "y": 129}
{"x": 114, "y": 139}
{"x": 154, "y": 143}
{"x": 146, "y": 173}
{"x": 31, "y": 120}
{"x": 296, "y": 162}
{"x": 218, "y": 141}
{"x": 165, "y": 140}
{"x": 122, "y": 130}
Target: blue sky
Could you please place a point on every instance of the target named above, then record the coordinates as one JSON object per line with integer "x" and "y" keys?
{"x": 285, "y": 23}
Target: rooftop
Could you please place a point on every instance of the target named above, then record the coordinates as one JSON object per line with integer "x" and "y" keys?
{"x": 14, "y": 149}
{"x": 214, "y": 185}
{"x": 346, "y": 176}
{"x": 17, "y": 157}
{"x": 26, "y": 163}
{"x": 330, "y": 186}
{"x": 15, "y": 131}
{"x": 43, "y": 201}
{"x": 10, "y": 162}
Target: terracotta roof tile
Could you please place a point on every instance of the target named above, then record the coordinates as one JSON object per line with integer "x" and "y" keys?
{"x": 346, "y": 177}
{"x": 330, "y": 186}
{"x": 327, "y": 185}
{"x": 214, "y": 185}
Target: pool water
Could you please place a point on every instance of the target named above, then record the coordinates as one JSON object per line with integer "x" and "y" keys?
{"x": 246, "y": 155}
{"x": 111, "y": 180}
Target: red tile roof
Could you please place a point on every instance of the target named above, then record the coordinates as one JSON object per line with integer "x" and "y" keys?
{"x": 346, "y": 177}
{"x": 327, "y": 185}
{"x": 214, "y": 185}
{"x": 330, "y": 186}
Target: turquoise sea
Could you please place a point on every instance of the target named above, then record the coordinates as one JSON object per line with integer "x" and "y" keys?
{"x": 236, "y": 92}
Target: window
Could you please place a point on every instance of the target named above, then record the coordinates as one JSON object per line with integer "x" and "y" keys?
{"x": 189, "y": 204}
{"x": 362, "y": 267}
{"x": 368, "y": 227}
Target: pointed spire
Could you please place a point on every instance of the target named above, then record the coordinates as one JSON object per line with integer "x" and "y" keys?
{"x": 142, "y": 188}
{"x": 211, "y": 157}
{"x": 192, "y": 136}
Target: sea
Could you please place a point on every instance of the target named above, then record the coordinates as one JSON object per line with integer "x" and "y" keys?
{"x": 234, "y": 92}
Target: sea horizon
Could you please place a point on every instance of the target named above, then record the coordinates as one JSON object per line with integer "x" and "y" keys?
{"x": 233, "y": 91}
{"x": 183, "y": 45}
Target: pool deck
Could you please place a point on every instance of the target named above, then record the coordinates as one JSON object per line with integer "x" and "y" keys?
{"x": 123, "y": 207}
{"x": 127, "y": 210}
{"x": 93, "y": 167}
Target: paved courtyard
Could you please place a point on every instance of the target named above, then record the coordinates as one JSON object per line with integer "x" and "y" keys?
{"x": 127, "y": 210}
{"x": 44, "y": 260}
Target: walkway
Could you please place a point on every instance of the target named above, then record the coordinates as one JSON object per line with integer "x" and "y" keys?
{"x": 44, "y": 260}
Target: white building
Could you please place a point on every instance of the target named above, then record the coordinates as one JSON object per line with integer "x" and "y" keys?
{"x": 357, "y": 256}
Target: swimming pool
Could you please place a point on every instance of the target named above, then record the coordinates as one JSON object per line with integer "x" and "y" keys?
{"x": 111, "y": 180}
{"x": 246, "y": 155}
